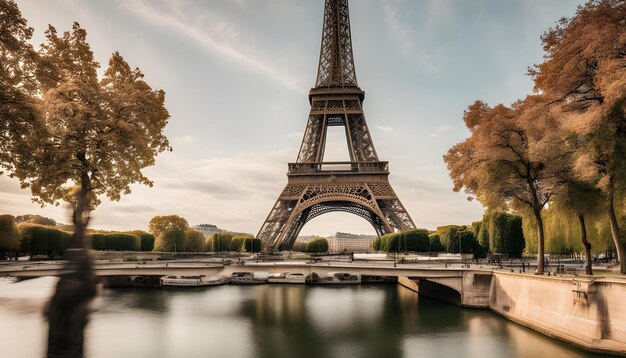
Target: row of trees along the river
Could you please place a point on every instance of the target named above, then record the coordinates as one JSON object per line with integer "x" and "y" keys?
{"x": 316, "y": 245}
{"x": 72, "y": 135}
{"x": 173, "y": 233}
{"x": 560, "y": 153}
{"x": 38, "y": 235}
{"x": 497, "y": 233}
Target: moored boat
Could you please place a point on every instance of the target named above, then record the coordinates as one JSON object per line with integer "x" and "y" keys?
{"x": 337, "y": 278}
{"x": 285, "y": 277}
{"x": 193, "y": 281}
{"x": 247, "y": 278}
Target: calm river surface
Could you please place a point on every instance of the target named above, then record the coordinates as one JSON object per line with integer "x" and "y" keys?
{"x": 271, "y": 321}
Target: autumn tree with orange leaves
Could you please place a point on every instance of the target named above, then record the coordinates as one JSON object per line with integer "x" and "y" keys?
{"x": 573, "y": 130}
{"x": 73, "y": 136}
{"x": 584, "y": 77}
{"x": 504, "y": 163}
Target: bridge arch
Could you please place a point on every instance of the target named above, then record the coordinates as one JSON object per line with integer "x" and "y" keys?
{"x": 440, "y": 290}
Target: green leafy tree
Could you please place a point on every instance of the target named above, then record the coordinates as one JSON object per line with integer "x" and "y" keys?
{"x": 43, "y": 240}
{"x": 221, "y": 241}
{"x": 170, "y": 232}
{"x": 116, "y": 242}
{"x": 236, "y": 244}
{"x": 483, "y": 232}
{"x": 299, "y": 247}
{"x": 506, "y": 234}
{"x": 317, "y": 245}
{"x": 195, "y": 241}
{"x": 376, "y": 244}
{"x": 146, "y": 239}
{"x": 252, "y": 244}
{"x": 9, "y": 236}
{"x": 435, "y": 243}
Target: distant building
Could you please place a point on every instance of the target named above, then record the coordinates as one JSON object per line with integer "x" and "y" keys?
{"x": 343, "y": 242}
{"x": 306, "y": 239}
{"x": 208, "y": 229}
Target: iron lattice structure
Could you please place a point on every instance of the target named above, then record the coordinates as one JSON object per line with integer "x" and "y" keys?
{"x": 360, "y": 186}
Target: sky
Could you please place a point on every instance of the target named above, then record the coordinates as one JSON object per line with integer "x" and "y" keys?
{"x": 237, "y": 74}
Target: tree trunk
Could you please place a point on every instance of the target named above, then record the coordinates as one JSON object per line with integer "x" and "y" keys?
{"x": 540, "y": 241}
{"x": 619, "y": 246}
{"x": 68, "y": 310}
{"x": 586, "y": 244}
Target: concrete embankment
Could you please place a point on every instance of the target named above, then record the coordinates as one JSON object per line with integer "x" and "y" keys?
{"x": 584, "y": 311}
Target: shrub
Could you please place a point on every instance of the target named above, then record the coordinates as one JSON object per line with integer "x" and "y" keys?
{"x": 376, "y": 244}
{"x": 39, "y": 239}
{"x": 299, "y": 246}
{"x": 413, "y": 240}
{"x": 9, "y": 236}
{"x": 435, "y": 243}
{"x": 455, "y": 238}
{"x": 195, "y": 241}
{"x": 115, "y": 242}
{"x": 506, "y": 235}
{"x": 236, "y": 244}
{"x": 317, "y": 245}
{"x": 146, "y": 240}
{"x": 220, "y": 242}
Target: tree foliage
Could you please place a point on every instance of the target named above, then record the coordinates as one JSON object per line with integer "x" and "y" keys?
{"x": 416, "y": 240}
{"x": 435, "y": 243}
{"x": 170, "y": 233}
{"x": 146, "y": 239}
{"x": 71, "y": 136}
{"x": 116, "y": 242}
{"x": 220, "y": 242}
{"x": 456, "y": 239}
{"x": 252, "y": 244}
{"x": 9, "y": 236}
{"x": 508, "y": 162}
{"x": 505, "y": 234}
{"x": 584, "y": 76}
{"x": 43, "y": 240}
{"x": 195, "y": 241}
{"x": 317, "y": 245}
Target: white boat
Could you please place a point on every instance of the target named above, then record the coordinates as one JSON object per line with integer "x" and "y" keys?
{"x": 285, "y": 277}
{"x": 247, "y": 278}
{"x": 338, "y": 278}
{"x": 193, "y": 281}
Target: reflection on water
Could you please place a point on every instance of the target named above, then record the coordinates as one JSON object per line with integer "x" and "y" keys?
{"x": 271, "y": 321}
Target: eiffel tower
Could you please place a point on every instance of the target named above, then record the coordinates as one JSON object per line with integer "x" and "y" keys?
{"x": 316, "y": 187}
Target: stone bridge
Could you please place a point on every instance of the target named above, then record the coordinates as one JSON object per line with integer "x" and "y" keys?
{"x": 465, "y": 287}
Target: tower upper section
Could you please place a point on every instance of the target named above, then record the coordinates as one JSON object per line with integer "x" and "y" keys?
{"x": 336, "y": 66}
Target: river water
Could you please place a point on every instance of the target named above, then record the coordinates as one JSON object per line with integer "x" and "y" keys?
{"x": 271, "y": 321}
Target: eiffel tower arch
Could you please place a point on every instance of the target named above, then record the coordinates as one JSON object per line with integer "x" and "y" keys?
{"x": 315, "y": 187}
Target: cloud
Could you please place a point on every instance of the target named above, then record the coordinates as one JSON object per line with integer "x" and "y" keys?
{"x": 440, "y": 130}
{"x": 184, "y": 140}
{"x": 383, "y": 128}
{"x": 211, "y": 31}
